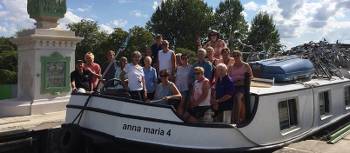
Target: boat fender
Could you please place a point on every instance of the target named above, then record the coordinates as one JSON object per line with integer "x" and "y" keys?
{"x": 70, "y": 139}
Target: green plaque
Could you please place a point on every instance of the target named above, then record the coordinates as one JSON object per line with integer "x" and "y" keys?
{"x": 55, "y": 73}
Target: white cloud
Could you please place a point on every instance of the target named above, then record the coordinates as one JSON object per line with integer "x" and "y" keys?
{"x": 251, "y": 6}
{"x": 138, "y": 13}
{"x": 106, "y": 28}
{"x": 301, "y": 21}
{"x": 69, "y": 17}
{"x": 3, "y": 13}
{"x": 244, "y": 14}
{"x": 14, "y": 17}
{"x": 289, "y": 7}
{"x": 119, "y": 22}
{"x": 3, "y": 29}
{"x": 109, "y": 27}
{"x": 155, "y": 5}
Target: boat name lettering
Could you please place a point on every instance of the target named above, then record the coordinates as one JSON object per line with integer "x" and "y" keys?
{"x": 147, "y": 130}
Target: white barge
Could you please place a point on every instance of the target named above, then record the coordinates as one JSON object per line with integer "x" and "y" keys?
{"x": 280, "y": 114}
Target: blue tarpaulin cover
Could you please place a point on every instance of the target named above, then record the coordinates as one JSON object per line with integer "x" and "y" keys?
{"x": 287, "y": 68}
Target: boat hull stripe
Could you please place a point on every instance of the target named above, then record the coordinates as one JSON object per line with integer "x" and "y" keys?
{"x": 206, "y": 125}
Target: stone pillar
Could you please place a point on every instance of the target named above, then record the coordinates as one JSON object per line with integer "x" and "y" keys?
{"x": 46, "y": 56}
{"x": 45, "y": 59}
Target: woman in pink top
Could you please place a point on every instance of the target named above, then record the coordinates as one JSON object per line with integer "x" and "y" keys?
{"x": 93, "y": 67}
{"x": 215, "y": 42}
{"x": 237, "y": 73}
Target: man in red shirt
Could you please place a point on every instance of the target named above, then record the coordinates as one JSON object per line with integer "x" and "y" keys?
{"x": 94, "y": 68}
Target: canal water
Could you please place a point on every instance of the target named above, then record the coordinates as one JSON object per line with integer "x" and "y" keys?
{"x": 47, "y": 141}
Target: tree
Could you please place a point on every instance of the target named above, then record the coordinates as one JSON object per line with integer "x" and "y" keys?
{"x": 92, "y": 38}
{"x": 263, "y": 34}
{"x": 182, "y": 21}
{"x": 6, "y": 45}
{"x": 113, "y": 42}
{"x": 230, "y": 22}
{"x": 140, "y": 38}
{"x": 8, "y": 61}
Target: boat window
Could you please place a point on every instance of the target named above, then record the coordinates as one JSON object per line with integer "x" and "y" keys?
{"x": 347, "y": 96}
{"x": 288, "y": 113}
{"x": 324, "y": 102}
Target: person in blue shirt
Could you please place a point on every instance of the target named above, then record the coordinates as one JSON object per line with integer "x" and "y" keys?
{"x": 205, "y": 64}
{"x": 224, "y": 91}
{"x": 150, "y": 77}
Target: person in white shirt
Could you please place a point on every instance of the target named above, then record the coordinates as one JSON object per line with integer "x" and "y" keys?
{"x": 136, "y": 78}
{"x": 167, "y": 60}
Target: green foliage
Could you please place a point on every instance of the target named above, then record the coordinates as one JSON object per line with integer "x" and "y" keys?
{"x": 100, "y": 42}
{"x": 140, "y": 38}
{"x": 263, "y": 34}
{"x": 230, "y": 22}
{"x": 8, "y": 60}
{"x": 92, "y": 41}
{"x": 190, "y": 54}
{"x": 182, "y": 21}
{"x": 6, "y": 44}
{"x": 8, "y": 77}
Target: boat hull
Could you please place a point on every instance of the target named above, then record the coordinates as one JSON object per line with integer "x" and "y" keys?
{"x": 159, "y": 132}
{"x": 124, "y": 121}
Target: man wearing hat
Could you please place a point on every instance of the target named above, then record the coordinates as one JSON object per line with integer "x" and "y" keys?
{"x": 81, "y": 81}
{"x": 215, "y": 42}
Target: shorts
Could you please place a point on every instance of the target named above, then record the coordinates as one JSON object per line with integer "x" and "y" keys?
{"x": 227, "y": 105}
{"x": 150, "y": 96}
{"x": 137, "y": 95}
{"x": 198, "y": 112}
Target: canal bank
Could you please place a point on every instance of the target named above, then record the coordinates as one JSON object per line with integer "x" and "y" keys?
{"x": 31, "y": 134}
{"x": 317, "y": 146}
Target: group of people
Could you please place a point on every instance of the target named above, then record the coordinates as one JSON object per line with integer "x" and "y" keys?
{"x": 217, "y": 81}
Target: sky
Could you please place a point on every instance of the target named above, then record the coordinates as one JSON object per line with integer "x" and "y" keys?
{"x": 298, "y": 21}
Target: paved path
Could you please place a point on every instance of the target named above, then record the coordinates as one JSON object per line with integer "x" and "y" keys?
{"x": 316, "y": 146}
{"x": 12, "y": 125}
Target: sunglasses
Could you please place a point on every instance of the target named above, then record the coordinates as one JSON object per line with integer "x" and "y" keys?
{"x": 197, "y": 73}
{"x": 163, "y": 76}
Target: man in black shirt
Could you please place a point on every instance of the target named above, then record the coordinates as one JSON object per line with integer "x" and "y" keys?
{"x": 156, "y": 47}
{"x": 81, "y": 78}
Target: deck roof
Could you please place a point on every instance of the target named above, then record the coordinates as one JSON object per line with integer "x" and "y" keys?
{"x": 285, "y": 87}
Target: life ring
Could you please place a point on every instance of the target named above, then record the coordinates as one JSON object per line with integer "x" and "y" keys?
{"x": 70, "y": 139}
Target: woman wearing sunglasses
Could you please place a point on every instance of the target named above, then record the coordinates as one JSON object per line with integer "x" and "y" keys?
{"x": 167, "y": 91}
{"x": 200, "y": 99}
